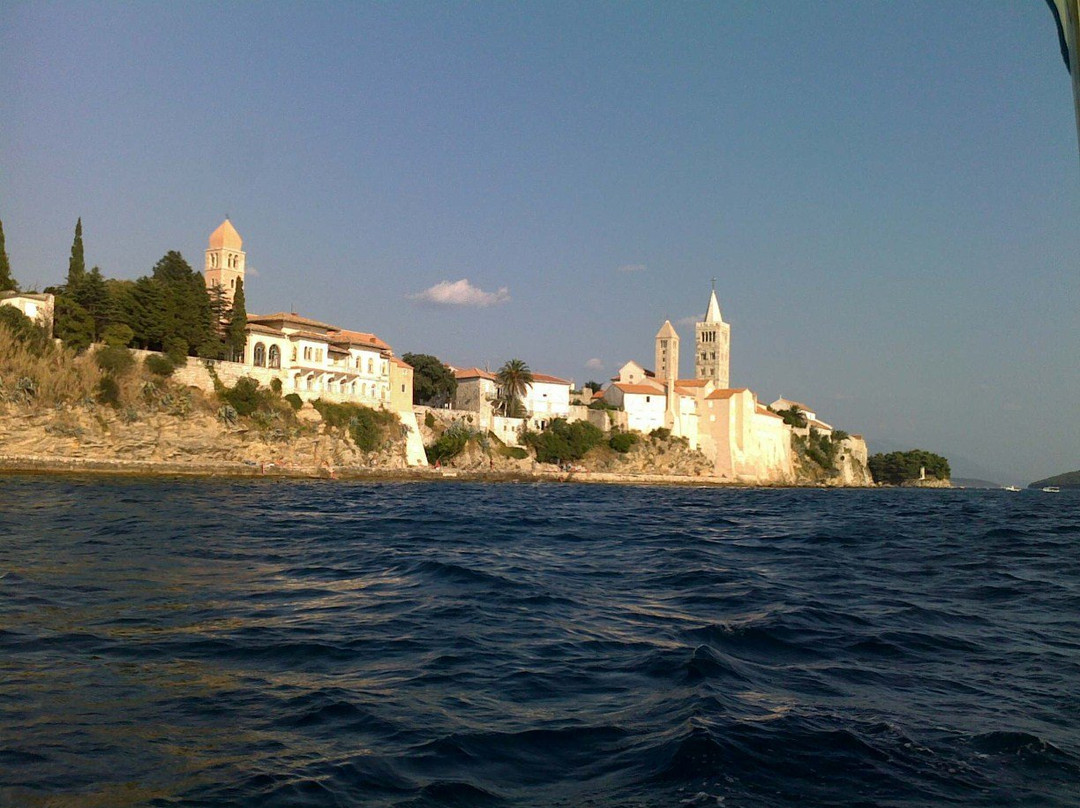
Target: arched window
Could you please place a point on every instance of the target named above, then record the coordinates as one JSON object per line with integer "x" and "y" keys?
{"x": 275, "y": 356}
{"x": 370, "y": 366}
{"x": 259, "y": 359}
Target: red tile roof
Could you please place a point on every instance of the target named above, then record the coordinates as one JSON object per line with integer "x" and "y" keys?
{"x": 288, "y": 317}
{"x": 543, "y": 378}
{"x": 638, "y": 389}
{"x": 360, "y": 338}
{"x": 462, "y": 374}
{"x": 726, "y": 392}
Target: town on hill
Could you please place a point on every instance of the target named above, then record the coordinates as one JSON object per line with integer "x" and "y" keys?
{"x": 191, "y": 332}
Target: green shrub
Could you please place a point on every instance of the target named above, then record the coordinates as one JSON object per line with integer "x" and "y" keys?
{"x": 176, "y": 349}
{"x": 429, "y": 420}
{"x": 159, "y": 365}
{"x": 294, "y": 401}
{"x": 275, "y": 386}
{"x": 367, "y": 427}
{"x": 513, "y": 452}
{"x": 24, "y": 330}
{"x": 660, "y": 433}
{"x": 450, "y": 443}
{"x": 117, "y": 335}
{"x": 562, "y": 442}
{"x": 245, "y": 397}
{"x": 623, "y": 441}
{"x": 114, "y": 361}
{"x": 108, "y": 391}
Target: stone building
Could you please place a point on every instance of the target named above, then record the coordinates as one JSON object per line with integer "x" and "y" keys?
{"x": 712, "y": 349}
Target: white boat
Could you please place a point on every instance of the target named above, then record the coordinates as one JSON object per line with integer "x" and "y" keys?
{"x": 1052, "y": 489}
{"x": 1010, "y": 488}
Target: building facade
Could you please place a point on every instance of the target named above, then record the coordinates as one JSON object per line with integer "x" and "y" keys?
{"x": 712, "y": 348}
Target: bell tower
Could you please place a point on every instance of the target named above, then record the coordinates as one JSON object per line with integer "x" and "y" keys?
{"x": 225, "y": 260}
{"x": 712, "y": 357}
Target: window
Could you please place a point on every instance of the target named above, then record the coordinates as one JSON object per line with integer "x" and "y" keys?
{"x": 294, "y": 353}
{"x": 259, "y": 358}
{"x": 648, "y": 399}
{"x": 275, "y": 356}
{"x": 370, "y": 366}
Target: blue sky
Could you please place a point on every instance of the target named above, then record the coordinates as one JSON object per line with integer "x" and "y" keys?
{"x": 887, "y": 194}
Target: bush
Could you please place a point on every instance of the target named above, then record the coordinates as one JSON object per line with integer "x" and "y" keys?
{"x": 114, "y": 361}
{"x": 562, "y": 442}
{"x": 429, "y": 420}
{"x": 275, "y": 386}
{"x": 660, "y": 433}
{"x": 245, "y": 397}
{"x": 623, "y": 441}
{"x": 513, "y": 452}
{"x": 117, "y": 335}
{"x": 450, "y": 443}
{"x": 108, "y": 391}
{"x": 294, "y": 401}
{"x": 24, "y": 330}
{"x": 159, "y": 365}
{"x": 367, "y": 427}
{"x": 900, "y": 467}
{"x": 177, "y": 350}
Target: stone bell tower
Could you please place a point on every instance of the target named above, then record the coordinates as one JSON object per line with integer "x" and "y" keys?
{"x": 225, "y": 260}
{"x": 712, "y": 357}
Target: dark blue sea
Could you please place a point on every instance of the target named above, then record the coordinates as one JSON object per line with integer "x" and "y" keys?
{"x": 279, "y": 643}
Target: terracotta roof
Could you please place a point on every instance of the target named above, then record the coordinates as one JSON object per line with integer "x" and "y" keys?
{"x": 226, "y": 237}
{"x": 288, "y": 317}
{"x": 401, "y": 363}
{"x": 255, "y": 328}
{"x": 473, "y": 373}
{"x": 337, "y": 350}
{"x": 598, "y": 394}
{"x": 311, "y": 335}
{"x": 792, "y": 404}
{"x": 638, "y": 389}
{"x": 817, "y": 424}
{"x": 543, "y": 378}
{"x": 691, "y": 382}
{"x": 358, "y": 338}
{"x": 762, "y": 411}
{"x": 682, "y": 391}
{"x": 726, "y": 392}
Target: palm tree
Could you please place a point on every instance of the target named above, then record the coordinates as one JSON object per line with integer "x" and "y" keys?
{"x": 514, "y": 379}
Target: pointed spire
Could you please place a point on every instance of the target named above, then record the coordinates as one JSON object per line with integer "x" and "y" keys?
{"x": 667, "y": 331}
{"x": 712, "y": 315}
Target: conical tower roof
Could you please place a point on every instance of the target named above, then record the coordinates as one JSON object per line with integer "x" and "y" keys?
{"x": 226, "y": 237}
{"x": 667, "y": 331}
{"x": 712, "y": 314}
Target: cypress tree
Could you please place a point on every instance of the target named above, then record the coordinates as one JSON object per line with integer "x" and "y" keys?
{"x": 76, "y": 264}
{"x": 7, "y": 283}
{"x": 235, "y": 335}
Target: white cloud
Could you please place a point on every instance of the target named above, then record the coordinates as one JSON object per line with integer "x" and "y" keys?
{"x": 689, "y": 320}
{"x": 595, "y": 364}
{"x": 251, "y": 271}
{"x": 460, "y": 293}
{"x": 632, "y": 268}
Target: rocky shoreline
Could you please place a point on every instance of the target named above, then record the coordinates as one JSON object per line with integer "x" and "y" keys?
{"x": 42, "y": 464}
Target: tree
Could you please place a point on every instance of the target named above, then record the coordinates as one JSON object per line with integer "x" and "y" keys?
{"x": 72, "y": 323}
{"x": 563, "y": 442}
{"x": 76, "y": 264}
{"x": 93, "y": 296}
{"x": 236, "y": 333}
{"x": 433, "y": 382}
{"x": 896, "y": 468}
{"x": 793, "y": 417}
{"x": 22, "y": 329}
{"x": 514, "y": 379}
{"x": 594, "y": 386}
{"x": 7, "y": 283}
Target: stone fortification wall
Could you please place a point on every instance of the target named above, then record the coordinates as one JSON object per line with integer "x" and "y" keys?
{"x": 853, "y": 463}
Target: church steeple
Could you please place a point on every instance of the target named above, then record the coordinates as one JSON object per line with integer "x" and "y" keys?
{"x": 225, "y": 259}
{"x": 712, "y": 358}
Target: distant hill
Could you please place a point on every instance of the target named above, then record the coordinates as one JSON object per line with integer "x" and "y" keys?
{"x": 1070, "y": 479}
{"x": 971, "y": 482}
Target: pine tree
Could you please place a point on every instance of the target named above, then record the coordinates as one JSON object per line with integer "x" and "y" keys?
{"x": 76, "y": 264}
{"x": 7, "y": 283}
{"x": 236, "y": 334}
{"x": 93, "y": 296}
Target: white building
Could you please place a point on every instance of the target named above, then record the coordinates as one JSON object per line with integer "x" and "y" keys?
{"x": 38, "y": 308}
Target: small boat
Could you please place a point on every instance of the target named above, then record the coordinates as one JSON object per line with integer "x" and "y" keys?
{"x": 1052, "y": 489}
{"x": 1010, "y": 488}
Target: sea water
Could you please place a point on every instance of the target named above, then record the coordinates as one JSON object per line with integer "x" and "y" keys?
{"x": 172, "y": 642}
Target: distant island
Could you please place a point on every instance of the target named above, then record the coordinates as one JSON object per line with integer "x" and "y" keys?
{"x": 1070, "y": 479}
